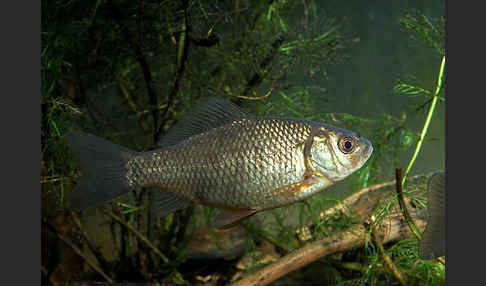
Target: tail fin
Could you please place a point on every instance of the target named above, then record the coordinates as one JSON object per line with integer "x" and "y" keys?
{"x": 432, "y": 244}
{"x": 104, "y": 169}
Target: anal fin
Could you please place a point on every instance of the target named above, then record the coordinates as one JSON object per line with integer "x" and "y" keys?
{"x": 228, "y": 218}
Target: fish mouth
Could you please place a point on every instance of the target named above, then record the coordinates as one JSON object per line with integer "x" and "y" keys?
{"x": 368, "y": 150}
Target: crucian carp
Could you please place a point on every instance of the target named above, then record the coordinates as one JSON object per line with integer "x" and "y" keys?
{"x": 219, "y": 155}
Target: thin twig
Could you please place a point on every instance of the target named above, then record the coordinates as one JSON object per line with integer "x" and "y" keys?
{"x": 257, "y": 78}
{"x": 139, "y": 54}
{"x": 138, "y": 234}
{"x": 148, "y": 224}
{"x": 83, "y": 99}
{"x": 183, "y": 51}
{"x": 256, "y": 97}
{"x": 53, "y": 179}
{"x": 123, "y": 234}
{"x": 140, "y": 7}
{"x": 236, "y": 6}
{"x": 51, "y": 280}
{"x": 143, "y": 252}
{"x": 134, "y": 108}
{"x": 441, "y": 260}
{"x": 77, "y": 251}
{"x": 389, "y": 263}
{"x": 355, "y": 266}
{"x": 95, "y": 250}
{"x": 403, "y": 206}
{"x": 344, "y": 205}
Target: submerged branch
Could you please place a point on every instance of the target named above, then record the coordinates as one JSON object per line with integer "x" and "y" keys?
{"x": 353, "y": 199}
{"x": 353, "y": 237}
{"x": 341, "y": 241}
{"x": 403, "y": 207}
{"x": 363, "y": 204}
{"x": 389, "y": 263}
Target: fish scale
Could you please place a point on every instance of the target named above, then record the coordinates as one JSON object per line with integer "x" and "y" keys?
{"x": 234, "y": 173}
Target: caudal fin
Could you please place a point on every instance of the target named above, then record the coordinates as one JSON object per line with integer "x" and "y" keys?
{"x": 103, "y": 166}
{"x": 432, "y": 244}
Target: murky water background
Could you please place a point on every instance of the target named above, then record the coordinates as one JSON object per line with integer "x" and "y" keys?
{"x": 362, "y": 84}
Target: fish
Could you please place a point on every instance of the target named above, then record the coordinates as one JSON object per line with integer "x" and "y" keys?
{"x": 432, "y": 244}
{"x": 219, "y": 155}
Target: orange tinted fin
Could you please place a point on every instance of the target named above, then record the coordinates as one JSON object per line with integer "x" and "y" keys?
{"x": 296, "y": 188}
{"x": 432, "y": 244}
{"x": 228, "y": 218}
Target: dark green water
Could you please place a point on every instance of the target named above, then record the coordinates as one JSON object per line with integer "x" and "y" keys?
{"x": 362, "y": 84}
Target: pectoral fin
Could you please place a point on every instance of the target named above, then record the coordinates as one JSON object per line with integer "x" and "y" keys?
{"x": 301, "y": 190}
{"x": 295, "y": 189}
{"x": 228, "y": 218}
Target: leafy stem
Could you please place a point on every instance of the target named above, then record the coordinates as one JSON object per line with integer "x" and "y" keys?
{"x": 427, "y": 121}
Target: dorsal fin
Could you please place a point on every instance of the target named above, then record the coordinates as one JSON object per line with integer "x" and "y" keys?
{"x": 206, "y": 114}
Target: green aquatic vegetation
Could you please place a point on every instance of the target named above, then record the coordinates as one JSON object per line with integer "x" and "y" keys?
{"x": 433, "y": 36}
{"x": 92, "y": 80}
{"x": 405, "y": 256}
{"x": 56, "y": 168}
{"x": 396, "y": 138}
{"x": 424, "y": 31}
{"x": 404, "y": 253}
{"x": 427, "y": 120}
{"x": 388, "y": 133}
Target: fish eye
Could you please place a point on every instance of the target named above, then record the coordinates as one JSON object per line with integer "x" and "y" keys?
{"x": 346, "y": 144}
